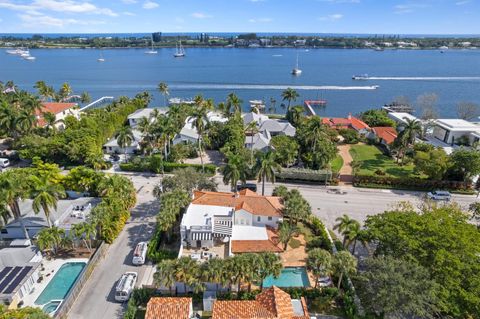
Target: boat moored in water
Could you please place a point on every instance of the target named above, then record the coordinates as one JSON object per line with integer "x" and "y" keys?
{"x": 360, "y": 77}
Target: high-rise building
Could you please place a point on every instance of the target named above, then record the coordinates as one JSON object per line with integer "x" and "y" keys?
{"x": 157, "y": 36}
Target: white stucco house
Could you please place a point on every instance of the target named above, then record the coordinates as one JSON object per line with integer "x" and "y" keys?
{"x": 112, "y": 147}
{"x": 245, "y": 220}
{"x": 60, "y": 110}
{"x": 450, "y": 131}
{"x": 134, "y": 118}
{"x": 189, "y": 133}
{"x": 267, "y": 128}
{"x": 259, "y": 141}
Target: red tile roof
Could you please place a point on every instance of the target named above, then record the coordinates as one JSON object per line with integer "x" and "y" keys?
{"x": 245, "y": 199}
{"x": 343, "y": 123}
{"x": 56, "y": 108}
{"x": 386, "y": 133}
{"x": 272, "y": 303}
{"x": 169, "y": 308}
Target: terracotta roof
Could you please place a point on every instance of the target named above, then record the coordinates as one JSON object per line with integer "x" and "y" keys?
{"x": 257, "y": 246}
{"x": 386, "y": 133}
{"x": 246, "y": 199}
{"x": 55, "y": 108}
{"x": 358, "y": 124}
{"x": 342, "y": 123}
{"x": 272, "y": 303}
{"x": 168, "y": 308}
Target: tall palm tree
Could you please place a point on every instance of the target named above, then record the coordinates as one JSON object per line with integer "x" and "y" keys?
{"x": 234, "y": 171}
{"x": 25, "y": 121}
{"x": 42, "y": 90}
{"x": 320, "y": 263}
{"x": 186, "y": 271}
{"x": 317, "y": 131}
{"x": 84, "y": 231}
{"x": 266, "y": 167}
{"x": 251, "y": 129}
{"x": 64, "y": 92}
{"x": 289, "y": 95}
{"x": 234, "y": 102}
{"x": 296, "y": 208}
{"x": 200, "y": 120}
{"x": 51, "y": 238}
{"x": 163, "y": 88}
{"x": 215, "y": 271}
{"x": 13, "y": 188}
{"x": 343, "y": 224}
{"x": 85, "y": 98}
{"x": 285, "y": 232}
{"x": 165, "y": 274}
{"x": 345, "y": 265}
{"x": 125, "y": 138}
{"x": 50, "y": 121}
{"x": 355, "y": 234}
{"x": 8, "y": 116}
{"x": 45, "y": 196}
{"x": 411, "y": 129}
{"x": 269, "y": 265}
{"x": 295, "y": 115}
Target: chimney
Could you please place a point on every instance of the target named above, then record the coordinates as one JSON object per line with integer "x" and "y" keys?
{"x": 349, "y": 116}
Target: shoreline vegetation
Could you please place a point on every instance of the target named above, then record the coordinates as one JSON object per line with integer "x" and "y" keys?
{"x": 248, "y": 40}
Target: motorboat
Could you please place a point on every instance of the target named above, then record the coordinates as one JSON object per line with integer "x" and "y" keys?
{"x": 360, "y": 77}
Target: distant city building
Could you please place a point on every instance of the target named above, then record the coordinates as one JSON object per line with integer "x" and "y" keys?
{"x": 204, "y": 37}
{"x": 157, "y": 36}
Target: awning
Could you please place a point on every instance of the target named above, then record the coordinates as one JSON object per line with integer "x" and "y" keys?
{"x": 201, "y": 236}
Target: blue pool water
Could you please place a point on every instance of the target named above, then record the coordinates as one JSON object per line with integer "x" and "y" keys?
{"x": 289, "y": 277}
{"x": 61, "y": 283}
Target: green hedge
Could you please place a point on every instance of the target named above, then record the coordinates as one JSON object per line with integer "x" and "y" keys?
{"x": 144, "y": 166}
{"x": 305, "y": 175}
{"x": 408, "y": 183}
{"x": 321, "y": 239}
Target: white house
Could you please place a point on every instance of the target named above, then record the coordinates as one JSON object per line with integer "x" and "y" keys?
{"x": 112, "y": 147}
{"x": 267, "y": 128}
{"x": 259, "y": 141}
{"x": 135, "y": 117}
{"x": 189, "y": 133}
{"x": 277, "y": 127}
{"x": 246, "y": 220}
{"x": 401, "y": 117}
{"x": 19, "y": 271}
{"x": 60, "y": 110}
{"x": 450, "y": 131}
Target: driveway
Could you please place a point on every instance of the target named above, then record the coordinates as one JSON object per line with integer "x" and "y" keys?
{"x": 346, "y": 172}
{"x": 97, "y": 297}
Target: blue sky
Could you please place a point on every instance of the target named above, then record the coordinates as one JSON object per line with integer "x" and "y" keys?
{"x": 316, "y": 16}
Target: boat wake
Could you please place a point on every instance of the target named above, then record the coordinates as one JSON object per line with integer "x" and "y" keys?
{"x": 425, "y": 78}
{"x": 267, "y": 87}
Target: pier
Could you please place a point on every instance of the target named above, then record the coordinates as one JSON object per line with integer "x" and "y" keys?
{"x": 101, "y": 101}
{"x": 309, "y": 104}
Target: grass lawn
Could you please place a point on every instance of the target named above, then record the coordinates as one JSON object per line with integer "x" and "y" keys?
{"x": 337, "y": 163}
{"x": 373, "y": 159}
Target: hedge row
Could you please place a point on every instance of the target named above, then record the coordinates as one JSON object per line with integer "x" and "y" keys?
{"x": 305, "y": 175}
{"x": 168, "y": 167}
{"x": 409, "y": 183}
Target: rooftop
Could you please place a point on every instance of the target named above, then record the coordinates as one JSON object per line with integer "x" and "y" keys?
{"x": 169, "y": 308}
{"x": 246, "y": 232}
{"x": 146, "y": 112}
{"x": 246, "y": 243}
{"x": 388, "y": 134}
{"x": 137, "y": 136}
{"x": 202, "y": 215}
{"x": 401, "y": 116}
{"x": 457, "y": 125}
{"x": 55, "y": 107}
{"x": 349, "y": 122}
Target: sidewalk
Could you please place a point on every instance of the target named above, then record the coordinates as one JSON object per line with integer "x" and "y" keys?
{"x": 346, "y": 172}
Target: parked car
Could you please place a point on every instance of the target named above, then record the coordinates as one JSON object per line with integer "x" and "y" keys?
{"x": 439, "y": 195}
{"x": 4, "y": 162}
{"x": 115, "y": 157}
{"x": 250, "y": 186}
{"x": 140, "y": 253}
{"x": 125, "y": 286}
{"x": 325, "y": 281}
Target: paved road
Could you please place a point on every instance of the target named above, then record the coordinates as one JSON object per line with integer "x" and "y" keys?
{"x": 97, "y": 297}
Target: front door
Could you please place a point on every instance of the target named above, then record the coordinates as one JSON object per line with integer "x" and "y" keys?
{"x": 199, "y": 244}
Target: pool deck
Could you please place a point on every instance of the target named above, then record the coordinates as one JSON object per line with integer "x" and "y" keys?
{"x": 51, "y": 267}
{"x": 297, "y": 257}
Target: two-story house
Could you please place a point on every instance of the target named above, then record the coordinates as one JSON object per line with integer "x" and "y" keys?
{"x": 246, "y": 221}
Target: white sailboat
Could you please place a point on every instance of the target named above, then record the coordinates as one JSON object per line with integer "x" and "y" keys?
{"x": 296, "y": 70}
{"x": 101, "y": 58}
{"x": 151, "y": 51}
{"x": 180, "y": 51}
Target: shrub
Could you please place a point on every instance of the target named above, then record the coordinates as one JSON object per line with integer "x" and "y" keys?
{"x": 409, "y": 183}
{"x": 294, "y": 243}
{"x": 380, "y": 172}
{"x": 304, "y": 174}
{"x": 318, "y": 229}
{"x": 349, "y": 136}
{"x": 151, "y": 164}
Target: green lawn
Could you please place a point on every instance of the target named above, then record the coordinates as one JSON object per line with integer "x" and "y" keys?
{"x": 373, "y": 159}
{"x": 337, "y": 163}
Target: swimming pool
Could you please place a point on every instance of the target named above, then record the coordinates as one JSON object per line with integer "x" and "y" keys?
{"x": 61, "y": 283}
{"x": 289, "y": 277}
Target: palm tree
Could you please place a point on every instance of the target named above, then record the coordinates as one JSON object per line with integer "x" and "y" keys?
{"x": 84, "y": 231}
{"x": 285, "y": 232}
{"x": 51, "y": 238}
{"x": 353, "y": 234}
{"x": 165, "y": 274}
{"x": 45, "y": 196}
{"x": 125, "y": 138}
{"x": 42, "y": 90}
{"x": 266, "y": 167}
{"x": 411, "y": 129}
{"x": 343, "y": 224}
{"x": 233, "y": 101}
{"x": 50, "y": 121}
{"x": 8, "y": 116}
{"x": 269, "y": 265}
{"x": 163, "y": 88}
{"x": 317, "y": 131}
{"x": 235, "y": 170}
{"x": 215, "y": 271}
{"x": 320, "y": 263}
{"x": 345, "y": 265}
{"x": 295, "y": 115}
{"x": 296, "y": 208}
{"x": 64, "y": 92}
{"x": 251, "y": 129}
{"x": 25, "y": 121}
{"x": 13, "y": 188}
{"x": 200, "y": 120}
{"x": 186, "y": 271}
{"x": 289, "y": 95}
{"x": 85, "y": 98}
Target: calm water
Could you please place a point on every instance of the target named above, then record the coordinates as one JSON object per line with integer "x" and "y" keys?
{"x": 259, "y": 74}
{"x": 289, "y": 277}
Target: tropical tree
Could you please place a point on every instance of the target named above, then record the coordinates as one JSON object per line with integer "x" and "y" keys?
{"x": 295, "y": 115}
{"x": 270, "y": 264}
{"x": 410, "y": 130}
{"x": 251, "y": 129}
{"x": 125, "y": 138}
{"x": 296, "y": 208}
{"x": 354, "y": 234}
{"x": 200, "y": 120}
{"x": 233, "y": 103}
{"x": 163, "y": 89}
{"x": 289, "y": 95}
{"x": 84, "y": 231}
{"x": 214, "y": 271}
{"x": 345, "y": 265}
{"x": 320, "y": 262}
{"x": 234, "y": 171}
{"x": 50, "y": 238}
{"x": 45, "y": 195}
{"x": 165, "y": 274}
{"x": 85, "y": 98}
{"x": 266, "y": 168}
{"x": 187, "y": 271}
{"x": 25, "y": 121}
{"x": 64, "y": 92}
{"x": 50, "y": 121}
{"x": 286, "y": 149}
{"x": 343, "y": 224}
{"x": 285, "y": 232}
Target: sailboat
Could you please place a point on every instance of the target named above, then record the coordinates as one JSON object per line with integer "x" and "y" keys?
{"x": 151, "y": 51}
{"x": 101, "y": 58}
{"x": 180, "y": 52}
{"x": 296, "y": 70}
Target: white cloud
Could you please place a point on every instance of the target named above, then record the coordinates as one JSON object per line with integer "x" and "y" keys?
{"x": 200, "y": 15}
{"x": 31, "y": 22}
{"x": 150, "y": 5}
{"x": 256, "y": 0}
{"x": 461, "y": 3}
{"x": 67, "y": 6}
{"x": 129, "y": 1}
{"x": 261, "y": 20}
{"x": 341, "y": 1}
{"x": 331, "y": 17}
{"x": 407, "y": 8}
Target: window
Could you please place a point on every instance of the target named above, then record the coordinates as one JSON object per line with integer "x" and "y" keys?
{"x": 270, "y": 218}
{"x": 4, "y": 231}
{"x": 259, "y": 218}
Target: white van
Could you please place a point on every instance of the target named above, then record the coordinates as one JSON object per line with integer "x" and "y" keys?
{"x": 125, "y": 286}
{"x": 4, "y": 162}
{"x": 140, "y": 253}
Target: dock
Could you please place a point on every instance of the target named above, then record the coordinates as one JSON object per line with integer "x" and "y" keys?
{"x": 101, "y": 101}
{"x": 309, "y": 104}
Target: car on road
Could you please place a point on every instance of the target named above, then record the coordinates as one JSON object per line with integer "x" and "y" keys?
{"x": 125, "y": 286}
{"x": 325, "y": 281}
{"x": 4, "y": 162}
{"x": 140, "y": 254}
{"x": 439, "y": 195}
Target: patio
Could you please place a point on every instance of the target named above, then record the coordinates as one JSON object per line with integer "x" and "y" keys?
{"x": 219, "y": 250}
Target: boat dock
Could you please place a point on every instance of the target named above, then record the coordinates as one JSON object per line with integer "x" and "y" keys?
{"x": 101, "y": 101}
{"x": 309, "y": 104}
